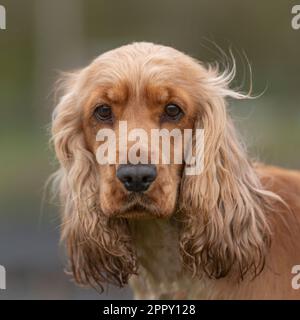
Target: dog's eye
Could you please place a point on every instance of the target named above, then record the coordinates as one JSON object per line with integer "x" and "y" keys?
{"x": 173, "y": 112}
{"x": 103, "y": 113}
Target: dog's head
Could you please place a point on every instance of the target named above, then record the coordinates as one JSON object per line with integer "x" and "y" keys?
{"x": 149, "y": 87}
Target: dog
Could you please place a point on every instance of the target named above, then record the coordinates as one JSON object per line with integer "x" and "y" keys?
{"x": 230, "y": 232}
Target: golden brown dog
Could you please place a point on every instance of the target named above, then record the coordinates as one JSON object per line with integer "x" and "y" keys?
{"x": 231, "y": 232}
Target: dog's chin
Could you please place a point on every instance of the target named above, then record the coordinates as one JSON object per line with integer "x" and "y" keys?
{"x": 137, "y": 213}
{"x": 139, "y": 206}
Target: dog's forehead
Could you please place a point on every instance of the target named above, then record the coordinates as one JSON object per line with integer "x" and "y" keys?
{"x": 141, "y": 64}
{"x": 152, "y": 73}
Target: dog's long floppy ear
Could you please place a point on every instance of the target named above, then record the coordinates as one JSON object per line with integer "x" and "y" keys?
{"x": 224, "y": 225}
{"x": 99, "y": 249}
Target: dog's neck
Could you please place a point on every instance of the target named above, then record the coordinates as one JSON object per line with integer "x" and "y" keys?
{"x": 157, "y": 248}
{"x": 156, "y": 243}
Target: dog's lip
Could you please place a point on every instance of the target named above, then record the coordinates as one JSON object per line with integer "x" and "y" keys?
{"x": 137, "y": 206}
{"x": 135, "y": 210}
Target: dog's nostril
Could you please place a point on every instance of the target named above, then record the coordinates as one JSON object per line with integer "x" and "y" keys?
{"x": 148, "y": 179}
{"x": 136, "y": 178}
{"x": 145, "y": 179}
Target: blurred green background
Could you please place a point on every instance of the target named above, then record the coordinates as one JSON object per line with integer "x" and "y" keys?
{"x": 45, "y": 36}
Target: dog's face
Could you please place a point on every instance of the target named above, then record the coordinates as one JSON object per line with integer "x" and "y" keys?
{"x": 152, "y": 87}
{"x": 146, "y": 93}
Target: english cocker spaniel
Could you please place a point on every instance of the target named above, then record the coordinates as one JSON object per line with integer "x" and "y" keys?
{"x": 230, "y": 232}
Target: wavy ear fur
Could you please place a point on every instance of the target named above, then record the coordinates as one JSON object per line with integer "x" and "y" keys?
{"x": 224, "y": 227}
{"x": 99, "y": 248}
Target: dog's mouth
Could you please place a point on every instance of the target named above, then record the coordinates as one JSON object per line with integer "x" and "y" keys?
{"x": 136, "y": 206}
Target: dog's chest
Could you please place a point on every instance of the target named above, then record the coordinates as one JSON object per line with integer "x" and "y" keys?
{"x": 160, "y": 267}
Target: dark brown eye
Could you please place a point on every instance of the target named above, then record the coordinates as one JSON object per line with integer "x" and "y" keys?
{"x": 103, "y": 113}
{"x": 173, "y": 112}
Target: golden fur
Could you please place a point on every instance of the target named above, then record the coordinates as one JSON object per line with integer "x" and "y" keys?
{"x": 230, "y": 233}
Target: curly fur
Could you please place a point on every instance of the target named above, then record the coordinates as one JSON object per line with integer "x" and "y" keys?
{"x": 89, "y": 235}
{"x": 224, "y": 225}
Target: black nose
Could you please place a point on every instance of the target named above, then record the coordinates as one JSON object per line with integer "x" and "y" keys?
{"x": 137, "y": 177}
